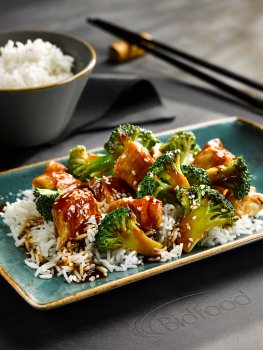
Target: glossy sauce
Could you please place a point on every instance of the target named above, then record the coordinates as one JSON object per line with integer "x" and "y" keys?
{"x": 74, "y": 208}
{"x": 109, "y": 188}
{"x": 93, "y": 273}
{"x": 148, "y": 210}
{"x": 56, "y": 179}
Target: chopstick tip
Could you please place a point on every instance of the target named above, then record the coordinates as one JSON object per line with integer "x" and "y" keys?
{"x": 91, "y": 19}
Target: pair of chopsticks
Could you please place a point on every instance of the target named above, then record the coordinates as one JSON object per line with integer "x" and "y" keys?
{"x": 170, "y": 55}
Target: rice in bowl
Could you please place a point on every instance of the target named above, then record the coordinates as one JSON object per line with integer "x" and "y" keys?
{"x": 33, "y": 64}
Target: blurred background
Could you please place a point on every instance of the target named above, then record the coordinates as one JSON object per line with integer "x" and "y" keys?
{"x": 226, "y": 32}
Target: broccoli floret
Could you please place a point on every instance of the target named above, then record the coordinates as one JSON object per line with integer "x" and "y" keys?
{"x": 119, "y": 229}
{"x": 148, "y": 139}
{"x": 185, "y": 141}
{"x": 44, "y": 199}
{"x": 129, "y": 132}
{"x": 85, "y": 166}
{"x": 195, "y": 176}
{"x": 203, "y": 209}
{"x": 234, "y": 177}
{"x": 162, "y": 177}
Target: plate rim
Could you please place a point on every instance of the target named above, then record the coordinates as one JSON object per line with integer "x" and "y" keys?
{"x": 167, "y": 266}
{"x": 212, "y": 251}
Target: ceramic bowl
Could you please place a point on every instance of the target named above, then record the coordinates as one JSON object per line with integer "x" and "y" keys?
{"x": 35, "y": 116}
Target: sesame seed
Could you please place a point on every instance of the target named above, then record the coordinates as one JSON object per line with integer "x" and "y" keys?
{"x": 188, "y": 226}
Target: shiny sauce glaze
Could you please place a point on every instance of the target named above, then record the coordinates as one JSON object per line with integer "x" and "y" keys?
{"x": 56, "y": 180}
{"x": 71, "y": 212}
{"x": 109, "y": 188}
{"x": 148, "y": 210}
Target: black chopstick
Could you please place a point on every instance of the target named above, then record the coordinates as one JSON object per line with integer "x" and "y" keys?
{"x": 157, "y": 44}
{"x": 160, "y": 50}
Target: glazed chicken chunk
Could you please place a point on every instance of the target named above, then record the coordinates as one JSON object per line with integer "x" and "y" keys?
{"x": 250, "y": 205}
{"x": 133, "y": 164}
{"x": 55, "y": 166}
{"x": 71, "y": 212}
{"x": 212, "y": 155}
{"x": 148, "y": 210}
{"x": 56, "y": 177}
{"x": 109, "y": 188}
{"x": 56, "y": 180}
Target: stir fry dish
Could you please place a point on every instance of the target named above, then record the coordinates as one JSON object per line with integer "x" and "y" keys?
{"x": 140, "y": 200}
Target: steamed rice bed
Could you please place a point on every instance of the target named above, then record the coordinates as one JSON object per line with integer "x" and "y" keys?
{"x": 42, "y": 243}
{"x": 33, "y": 64}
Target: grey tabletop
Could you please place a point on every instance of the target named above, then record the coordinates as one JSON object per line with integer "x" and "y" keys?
{"x": 226, "y": 289}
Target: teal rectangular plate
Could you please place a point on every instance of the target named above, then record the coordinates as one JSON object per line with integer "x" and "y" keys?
{"x": 238, "y": 135}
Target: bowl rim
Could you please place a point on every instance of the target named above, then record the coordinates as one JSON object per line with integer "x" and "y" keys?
{"x": 88, "y": 68}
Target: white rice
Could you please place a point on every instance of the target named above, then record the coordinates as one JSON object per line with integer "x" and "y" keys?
{"x": 85, "y": 262}
{"x": 243, "y": 226}
{"x": 36, "y": 63}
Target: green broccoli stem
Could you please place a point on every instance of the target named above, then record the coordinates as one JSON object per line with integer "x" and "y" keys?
{"x": 85, "y": 166}
{"x": 101, "y": 165}
{"x": 139, "y": 242}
